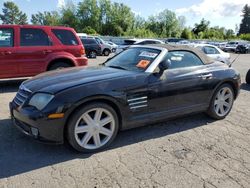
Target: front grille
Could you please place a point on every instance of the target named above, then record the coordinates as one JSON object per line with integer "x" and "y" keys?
{"x": 22, "y": 95}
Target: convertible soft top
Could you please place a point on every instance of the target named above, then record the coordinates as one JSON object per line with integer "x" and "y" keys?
{"x": 173, "y": 47}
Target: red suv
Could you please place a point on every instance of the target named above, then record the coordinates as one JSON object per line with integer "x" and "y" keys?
{"x": 27, "y": 50}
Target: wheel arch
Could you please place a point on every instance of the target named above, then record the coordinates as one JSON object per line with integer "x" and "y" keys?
{"x": 101, "y": 99}
{"x": 229, "y": 82}
{"x": 57, "y": 60}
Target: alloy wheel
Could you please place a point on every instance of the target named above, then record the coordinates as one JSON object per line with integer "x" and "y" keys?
{"x": 223, "y": 101}
{"x": 94, "y": 128}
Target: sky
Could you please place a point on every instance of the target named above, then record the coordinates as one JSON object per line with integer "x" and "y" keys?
{"x": 223, "y": 13}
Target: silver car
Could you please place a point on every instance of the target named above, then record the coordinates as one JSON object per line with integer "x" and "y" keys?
{"x": 215, "y": 53}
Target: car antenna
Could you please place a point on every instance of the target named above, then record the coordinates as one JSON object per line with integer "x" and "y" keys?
{"x": 235, "y": 59}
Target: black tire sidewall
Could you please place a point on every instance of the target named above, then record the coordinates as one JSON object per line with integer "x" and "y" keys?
{"x": 74, "y": 118}
{"x": 248, "y": 77}
{"x": 211, "y": 111}
{"x": 58, "y": 65}
{"x": 106, "y": 51}
{"x": 94, "y": 54}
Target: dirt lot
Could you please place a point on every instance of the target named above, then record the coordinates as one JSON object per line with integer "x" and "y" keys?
{"x": 189, "y": 152}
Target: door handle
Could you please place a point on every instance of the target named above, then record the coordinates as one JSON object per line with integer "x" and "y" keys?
{"x": 6, "y": 53}
{"x": 47, "y": 51}
{"x": 206, "y": 76}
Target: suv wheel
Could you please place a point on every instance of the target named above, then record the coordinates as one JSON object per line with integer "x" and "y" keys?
{"x": 248, "y": 77}
{"x": 106, "y": 52}
{"x": 92, "y": 128}
{"x": 59, "y": 65}
{"x": 222, "y": 102}
{"x": 92, "y": 54}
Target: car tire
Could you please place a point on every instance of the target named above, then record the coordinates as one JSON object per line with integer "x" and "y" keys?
{"x": 59, "y": 65}
{"x": 221, "y": 102}
{"x": 248, "y": 77}
{"x": 106, "y": 52}
{"x": 86, "y": 133}
{"x": 92, "y": 54}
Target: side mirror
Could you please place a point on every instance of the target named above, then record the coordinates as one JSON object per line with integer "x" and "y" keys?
{"x": 165, "y": 64}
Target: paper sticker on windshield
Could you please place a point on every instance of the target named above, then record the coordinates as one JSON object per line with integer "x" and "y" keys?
{"x": 143, "y": 64}
{"x": 148, "y": 54}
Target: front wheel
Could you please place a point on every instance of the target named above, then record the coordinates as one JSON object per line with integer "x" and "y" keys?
{"x": 106, "y": 52}
{"x": 92, "y": 128}
{"x": 248, "y": 77}
{"x": 222, "y": 102}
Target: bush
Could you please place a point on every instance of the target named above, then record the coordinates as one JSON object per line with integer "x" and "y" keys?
{"x": 89, "y": 30}
{"x": 245, "y": 36}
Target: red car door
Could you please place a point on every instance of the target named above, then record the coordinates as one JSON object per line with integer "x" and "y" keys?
{"x": 35, "y": 46}
{"x": 8, "y": 61}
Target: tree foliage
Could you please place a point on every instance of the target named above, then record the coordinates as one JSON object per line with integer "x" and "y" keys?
{"x": 106, "y": 17}
{"x": 46, "y": 18}
{"x": 12, "y": 14}
{"x": 245, "y": 23}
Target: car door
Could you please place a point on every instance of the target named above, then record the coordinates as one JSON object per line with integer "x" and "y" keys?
{"x": 183, "y": 88}
{"x": 35, "y": 46}
{"x": 8, "y": 59}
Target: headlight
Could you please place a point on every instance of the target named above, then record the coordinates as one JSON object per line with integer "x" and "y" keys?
{"x": 40, "y": 100}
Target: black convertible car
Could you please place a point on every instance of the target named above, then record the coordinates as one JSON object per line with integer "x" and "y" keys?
{"x": 142, "y": 85}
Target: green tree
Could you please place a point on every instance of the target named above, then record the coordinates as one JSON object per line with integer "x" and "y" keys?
{"x": 186, "y": 34}
{"x": 46, "y": 18}
{"x": 88, "y": 14}
{"x": 89, "y": 30}
{"x": 201, "y": 27}
{"x": 12, "y": 14}
{"x": 245, "y": 36}
{"x": 229, "y": 34}
{"x": 69, "y": 16}
{"x": 245, "y": 23}
{"x": 165, "y": 24}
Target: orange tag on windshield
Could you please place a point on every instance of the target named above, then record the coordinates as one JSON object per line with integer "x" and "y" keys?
{"x": 143, "y": 64}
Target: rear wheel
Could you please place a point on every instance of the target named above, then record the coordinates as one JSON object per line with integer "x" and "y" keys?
{"x": 59, "y": 65}
{"x": 248, "y": 77}
{"x": 222, "y": 102}
{"x": 92, "y": 128}
{"x": 92, "y": 54}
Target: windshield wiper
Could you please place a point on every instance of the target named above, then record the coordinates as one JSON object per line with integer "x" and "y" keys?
{"x": 116, "y": 67}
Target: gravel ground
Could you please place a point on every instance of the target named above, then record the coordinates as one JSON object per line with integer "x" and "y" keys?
{"x": 193, "y": 151}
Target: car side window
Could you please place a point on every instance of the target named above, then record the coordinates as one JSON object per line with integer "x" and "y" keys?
{"x": 66, "y": 37}
{"x": 34, "y": 37}
{"x": 6, "y": 38}
{"x": 210, "y": 50}
{"x": 182, "y": 59}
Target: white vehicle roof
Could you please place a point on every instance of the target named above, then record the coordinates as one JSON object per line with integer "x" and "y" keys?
{"x": 81, "y": 34}
{"x": 141, "y": 40}
{"x": 196, "y": 45}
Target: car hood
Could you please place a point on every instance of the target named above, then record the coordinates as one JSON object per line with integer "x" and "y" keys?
{"x": 56, "y": 81}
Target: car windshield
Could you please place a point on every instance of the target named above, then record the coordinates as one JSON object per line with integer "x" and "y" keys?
{"x": 134, "y": 59}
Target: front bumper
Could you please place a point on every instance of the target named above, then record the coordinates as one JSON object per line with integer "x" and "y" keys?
{"x": 35, "y": 125}
{"x": 81, "y": 61}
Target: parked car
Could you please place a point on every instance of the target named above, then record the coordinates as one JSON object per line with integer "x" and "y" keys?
{"x": 215, "y": 53}
{"x": 106, "y": 48}
{"x": 92, "y": 47}
{"x": 174, "y": 40}
{"x": 248, "y": 77}
{"x": 129, "y": 42}
{"x": 139, "y": 86}
{"x": 113, "y": 45}
{"x": 27, "y": 50}
{"x": 231, "y": 46}
{"x": 243, "y": 48}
